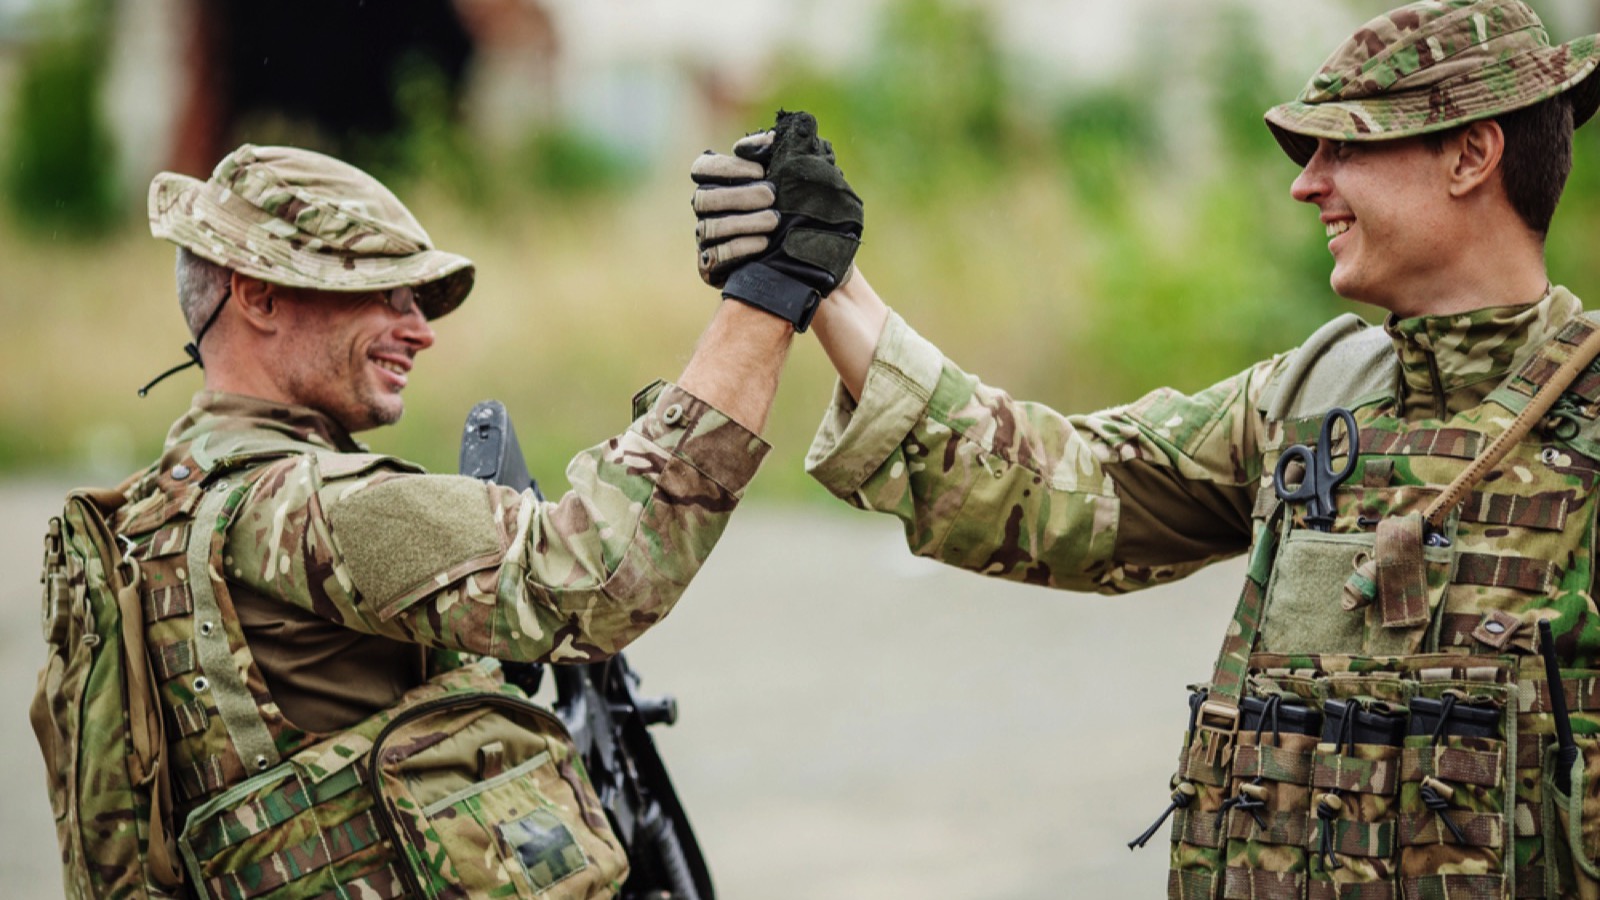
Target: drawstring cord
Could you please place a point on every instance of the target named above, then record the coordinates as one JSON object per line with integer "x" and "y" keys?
{"x": 1183, "y": 791}
{"x": 1329, "y": 805}
{"x": 193, "y": 347}
{"x": 1252, "y": 796}
{"x": 1435, "y": 793}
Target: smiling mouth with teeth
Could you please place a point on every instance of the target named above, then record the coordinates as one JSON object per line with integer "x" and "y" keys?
{"x": 1337, "y": 228}
{"x": 392, "y": 367}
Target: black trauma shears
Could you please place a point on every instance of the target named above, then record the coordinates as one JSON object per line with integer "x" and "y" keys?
{"x": 1316, "y": 488}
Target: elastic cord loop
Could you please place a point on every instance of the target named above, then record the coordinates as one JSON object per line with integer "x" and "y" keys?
{"x": 193, "y": 347}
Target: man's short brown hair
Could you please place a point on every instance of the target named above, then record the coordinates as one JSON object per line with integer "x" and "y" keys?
{"x": 1537, "y": 157}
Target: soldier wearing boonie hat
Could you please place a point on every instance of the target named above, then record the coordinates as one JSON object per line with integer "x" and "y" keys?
{"x": 292, "y": 582}
{"x": 1430, "y": 67}
{"x": 298, "y": 218}
{"x": 1418, "y": 500}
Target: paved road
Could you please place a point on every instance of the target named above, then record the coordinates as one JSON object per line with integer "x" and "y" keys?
{"x": 856, "y": 723}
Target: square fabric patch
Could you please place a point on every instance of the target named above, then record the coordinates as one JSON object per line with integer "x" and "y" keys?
{"x": 545, "y": 847}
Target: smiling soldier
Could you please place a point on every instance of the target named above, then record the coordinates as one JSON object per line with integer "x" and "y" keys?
{"x": 289, "y": 589}
{"x": 1405, "y": 700}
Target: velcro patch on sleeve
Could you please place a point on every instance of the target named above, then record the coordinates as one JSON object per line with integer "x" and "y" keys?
{"x": 404, "y": 538}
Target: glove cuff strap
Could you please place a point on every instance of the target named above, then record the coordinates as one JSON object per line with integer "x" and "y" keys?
{"x": 766, "y": 288}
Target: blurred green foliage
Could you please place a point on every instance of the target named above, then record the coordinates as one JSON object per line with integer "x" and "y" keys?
{"x": 567, "y": 164}
{"x": 928, "y": 107}
{"x": 1191, "y": 275}
{"x": 1076, "y": 243}
{"x": 551, "y": 162}
{"x": 59, "y": 157}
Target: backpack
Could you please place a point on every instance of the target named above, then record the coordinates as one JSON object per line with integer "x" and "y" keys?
{"x": 96, "y": 715}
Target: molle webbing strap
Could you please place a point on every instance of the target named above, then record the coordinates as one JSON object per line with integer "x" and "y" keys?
{"x": 1456, "y": 443}
{"x": 192, "y": 719}
{"x": 1262, "y": 885}
{"x": 1275, "y": 763}
{"x": 384, "y": 884}
{"x": 172, "y": 660}
{"x": 235, "y": 704}
{"x": 1188, "y": 884}
{"x": 322, "y": 849}
{"x": 1467, "y": 887}
{"x": 1548, "y": 391}
{"x": 1371, "y": 890}
{"x": 1536, "y": 576}
{"x": 1542, "y": 512}
{"x": 1283, "y": 827}
{"x": 201, "y": 777}
{"x": 166, "y": 602}
{"x": 292, "y": 797}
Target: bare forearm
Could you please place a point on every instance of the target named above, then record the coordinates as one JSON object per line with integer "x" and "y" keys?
{"x": 848, "y": 324}
{"x": 736, "y": 365}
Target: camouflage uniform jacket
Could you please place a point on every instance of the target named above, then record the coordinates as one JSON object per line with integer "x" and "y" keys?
{"x": 1130, "y": 496}
{"x": 341, "y": 562}
{"x": 1149, "y": 492}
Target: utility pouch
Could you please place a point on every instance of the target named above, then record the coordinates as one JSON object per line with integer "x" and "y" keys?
{"x": 1572, "y": 821}
{"x": 1357, "y": 593}
{"x": 1355, "y": 776}
{"x": 486, "y": 792}
{"x": 1268, "y": 810}
{"x": 462, "y": 789}
{"x": 1456, "y": 799}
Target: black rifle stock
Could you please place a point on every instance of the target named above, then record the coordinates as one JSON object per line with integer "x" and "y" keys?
{"x": 609, "y": 721}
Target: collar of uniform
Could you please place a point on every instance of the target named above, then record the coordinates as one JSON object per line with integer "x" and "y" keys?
{"x": 236, "y": 417}
{"x": 1450, "y": 363}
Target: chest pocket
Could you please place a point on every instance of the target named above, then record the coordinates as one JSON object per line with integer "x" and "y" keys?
{"x": 1318, "y": 599}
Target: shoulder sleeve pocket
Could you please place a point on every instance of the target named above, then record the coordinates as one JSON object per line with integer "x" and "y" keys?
{"x": 404, "y": 538}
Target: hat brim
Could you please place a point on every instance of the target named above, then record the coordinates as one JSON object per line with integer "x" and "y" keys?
{"x": 184, "y": 211}
{"x": 1481, "y": 94}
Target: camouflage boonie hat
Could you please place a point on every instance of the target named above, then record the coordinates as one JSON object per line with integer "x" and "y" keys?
{"x": 298, "y": 218}
{"x": 1431, "y": 66}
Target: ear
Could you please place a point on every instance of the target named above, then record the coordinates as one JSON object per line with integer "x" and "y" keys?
{"x": 1474, "y": 156}
{"x": 260, "y": 304}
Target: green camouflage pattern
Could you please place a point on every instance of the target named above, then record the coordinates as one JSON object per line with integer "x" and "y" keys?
{"x": 952, "y": 457}
{"x": 258, "y": 503}
{"x": 574, "y": 580}
{"x": 311, "y": 825}
{"x": 102, "y": 792}
{"x": 1142, "y": 493}
{"x": 1431, "y": 66}
{"x": 298, "y": 218}
{"x": 1271, "y": 855}
{"x": 529, "y": 824}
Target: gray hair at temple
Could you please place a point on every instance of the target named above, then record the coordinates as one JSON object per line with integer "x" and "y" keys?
{"x": 201, "y": 284}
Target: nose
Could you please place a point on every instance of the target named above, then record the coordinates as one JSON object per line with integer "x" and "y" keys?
{"x": 413, "y": 329}
{"x": 1312, "y": 184}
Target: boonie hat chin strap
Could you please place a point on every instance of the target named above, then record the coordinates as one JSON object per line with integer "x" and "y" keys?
{"x": 193, "y": 347}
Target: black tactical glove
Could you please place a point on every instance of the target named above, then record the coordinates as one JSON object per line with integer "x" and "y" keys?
{"x": 733, "y": 206}
{"x": 819, "y": 227}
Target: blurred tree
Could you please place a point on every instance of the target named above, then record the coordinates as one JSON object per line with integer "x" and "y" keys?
{"x": 929, "y": 106}
{"x": 60, "y": 157}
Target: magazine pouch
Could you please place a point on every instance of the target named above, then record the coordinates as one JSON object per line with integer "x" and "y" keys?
{"x": 1268, "y": 810}
{"x": 1355, "y": 778}
{"x": 1456, "y": 800}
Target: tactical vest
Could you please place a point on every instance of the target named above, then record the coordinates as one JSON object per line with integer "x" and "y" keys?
{"x": 461, "y": 789}
{"x": 1379, "y": 723}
